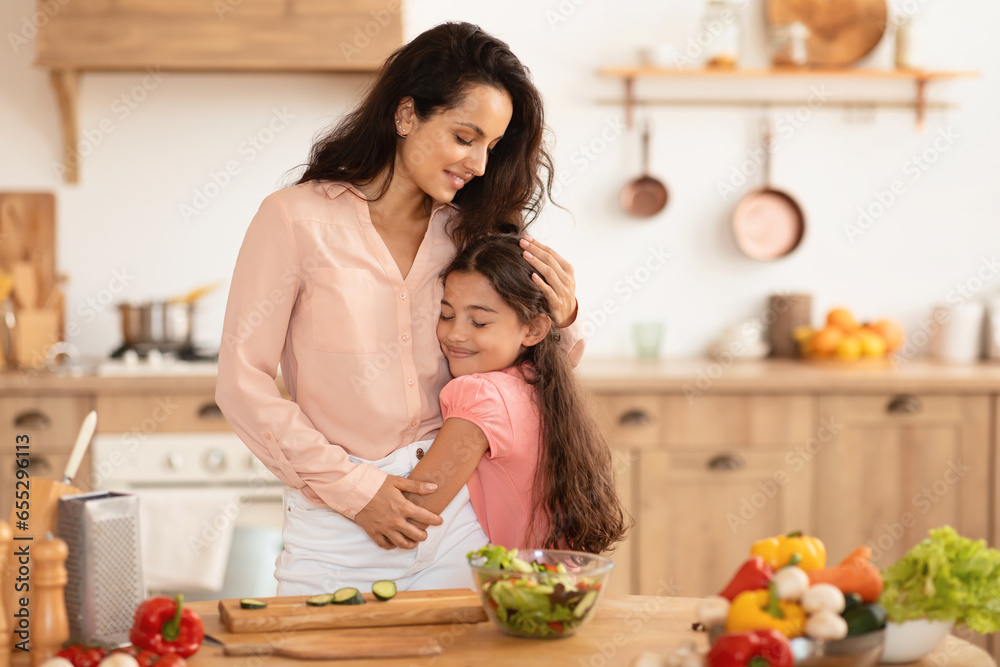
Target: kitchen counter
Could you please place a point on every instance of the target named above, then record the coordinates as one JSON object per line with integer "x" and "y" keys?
{"x": 700, "y": 375}
{"x": 624, "y": 628}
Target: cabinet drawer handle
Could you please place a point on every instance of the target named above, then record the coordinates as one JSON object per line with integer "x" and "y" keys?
{"x": 39, "y": 466}
{"x": 634, "y": 419}
{"x": 725, "y": 462}
{"x": 33, "y": 420}
{"x": 904, "y": 405}
{"x": 210, "y": 411}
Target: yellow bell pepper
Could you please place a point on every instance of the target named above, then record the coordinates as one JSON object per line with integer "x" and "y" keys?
{"x": 761, "y": 610}
{"x": 779, "y": 551}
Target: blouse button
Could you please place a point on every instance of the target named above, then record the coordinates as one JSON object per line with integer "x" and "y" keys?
{"x": 413, "y": 424}
{"x": 406, "y": 337}
{"x": 410, "y": 382}
{"x": 402, "y": 295}
{"x": 420, "y": 453}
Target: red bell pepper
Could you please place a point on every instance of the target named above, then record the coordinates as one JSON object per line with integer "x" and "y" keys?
{"x": 163, "y": 626}
{"x": 753, "y": 575}
{"x": 757, "y": 648}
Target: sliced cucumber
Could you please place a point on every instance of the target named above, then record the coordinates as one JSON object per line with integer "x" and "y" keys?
{"x": 384, "y": 590}
{"x": 585, "y": 604}
{"x": 320, "y": 600}
{"x": 247, "y": 603}
{"x": 348, "y": 596}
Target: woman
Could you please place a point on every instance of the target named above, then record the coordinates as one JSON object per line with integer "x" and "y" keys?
{"x": 338, "y": 280}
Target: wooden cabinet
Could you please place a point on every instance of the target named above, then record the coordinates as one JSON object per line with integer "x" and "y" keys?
{"x": 160, "y": 413}
{"x": 896, "y": 466}
{"x": 49, "y": 425}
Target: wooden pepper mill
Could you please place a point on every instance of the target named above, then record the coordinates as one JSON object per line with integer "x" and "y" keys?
{"x": 49, "y": 625}
{"x": 6, "y": 537}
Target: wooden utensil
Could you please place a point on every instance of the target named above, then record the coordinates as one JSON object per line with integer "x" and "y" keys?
{"x": 458, "y": 605}
{"x": 25, "y": 284}
{"x": 842, "y": 32}
{"x": 11, "y": 230}
{"x": 340, "y": 646}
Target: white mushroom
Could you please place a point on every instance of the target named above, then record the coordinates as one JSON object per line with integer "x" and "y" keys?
{"x": 791, "y": 583}
{"x": 826, "y": 625}
{"x": 823, "y": 596}
{"x": 712, "y": 611}
{"x": 119, "y": 659}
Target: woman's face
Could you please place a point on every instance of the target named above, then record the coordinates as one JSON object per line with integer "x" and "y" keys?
{"x": 442, "y": 153}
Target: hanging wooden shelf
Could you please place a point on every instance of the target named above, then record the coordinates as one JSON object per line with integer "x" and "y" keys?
{"x": 920, "y": 104}
{"x": 199, "y": 36}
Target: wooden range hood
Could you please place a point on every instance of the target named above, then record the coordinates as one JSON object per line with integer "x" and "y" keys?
{"x": 206, "y": 36}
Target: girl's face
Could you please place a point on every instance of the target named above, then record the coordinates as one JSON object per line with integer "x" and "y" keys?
{"x": 478, "y": 331}
{"x": 444, "y": 152}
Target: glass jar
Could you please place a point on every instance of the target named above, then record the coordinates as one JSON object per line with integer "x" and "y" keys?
{"x": 790, "y": 45}
{"x": 721, "y": 33}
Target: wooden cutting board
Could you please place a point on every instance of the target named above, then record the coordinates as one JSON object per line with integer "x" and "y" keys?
{"x": 337, "y": 645}
{"x": 458, "y": 605}
{"x": 842, "y": 32}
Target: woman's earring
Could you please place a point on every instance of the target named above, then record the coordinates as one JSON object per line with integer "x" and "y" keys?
{"x": 399, "y": 130}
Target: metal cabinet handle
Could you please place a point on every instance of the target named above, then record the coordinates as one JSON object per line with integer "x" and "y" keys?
{"x": 722, "y": 462}
{"x": 904, "y": 405}
{"x": 634, "y": 419}
{"x": 33, "y": 420}
{"x": 210, "y": 411}
{"x": 40, "y": 466}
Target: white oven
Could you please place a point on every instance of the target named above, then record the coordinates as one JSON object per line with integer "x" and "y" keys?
{"x": 210, "y": 512}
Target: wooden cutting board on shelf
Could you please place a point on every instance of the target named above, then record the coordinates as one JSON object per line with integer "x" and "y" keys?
{"x": 841, "y": 32}
{"x": 458, "y": 605}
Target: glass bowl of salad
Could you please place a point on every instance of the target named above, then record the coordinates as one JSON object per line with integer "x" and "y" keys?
{"x": 539, "y": 593}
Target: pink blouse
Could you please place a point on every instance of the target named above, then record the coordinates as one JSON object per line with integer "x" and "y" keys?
{"x": 316, "y": 290}
{"x": 501, "y": 488}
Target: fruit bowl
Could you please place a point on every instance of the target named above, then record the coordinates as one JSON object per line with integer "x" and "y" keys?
{"x": 911, "y": 640}
{"x": 554, "y": 602}
{"x": 860, "y": 651}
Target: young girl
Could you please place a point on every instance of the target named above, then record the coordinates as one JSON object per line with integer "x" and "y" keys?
{"x": 515, "y": 423}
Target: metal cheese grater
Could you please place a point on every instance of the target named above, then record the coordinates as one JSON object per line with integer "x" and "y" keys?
{"x": 104, "y": 566}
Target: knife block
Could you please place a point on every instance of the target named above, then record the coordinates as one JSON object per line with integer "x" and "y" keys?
{"x": 36, "y": 330}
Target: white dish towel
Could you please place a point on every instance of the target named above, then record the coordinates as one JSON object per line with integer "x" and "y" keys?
{"x": 186, "y": 536}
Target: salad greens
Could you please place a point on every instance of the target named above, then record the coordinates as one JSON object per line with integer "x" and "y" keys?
{"x": 946, "y": 577}
{"x": 552, "y": 604}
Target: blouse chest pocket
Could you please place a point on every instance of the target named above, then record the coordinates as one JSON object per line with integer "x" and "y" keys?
{"x": 343, "y": 311}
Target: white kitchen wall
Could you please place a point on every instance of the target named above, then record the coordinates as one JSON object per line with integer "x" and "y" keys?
{"x": 124, "y": 234}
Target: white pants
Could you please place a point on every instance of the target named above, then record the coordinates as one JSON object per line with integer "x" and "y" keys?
{"x": 324, "y": 551}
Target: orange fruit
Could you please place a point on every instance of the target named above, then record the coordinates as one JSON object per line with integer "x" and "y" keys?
{"x": 826, "y": 340}
{"x": 891, "y": 333}
{"x": 841, "y": 317}
{"x": 849, "y": 349}
{"x": 872, "y": 344}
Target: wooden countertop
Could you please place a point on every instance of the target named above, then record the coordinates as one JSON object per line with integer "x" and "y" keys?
{"x": 623, "y": 629}
{"x": 622, "y": 376}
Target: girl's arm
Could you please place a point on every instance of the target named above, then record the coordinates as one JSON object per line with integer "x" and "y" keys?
{"x": 457, "y": 450}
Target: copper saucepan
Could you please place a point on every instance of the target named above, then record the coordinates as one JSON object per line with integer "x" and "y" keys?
{"x": 645, "y": 196}
{"x": 768, "y": 223}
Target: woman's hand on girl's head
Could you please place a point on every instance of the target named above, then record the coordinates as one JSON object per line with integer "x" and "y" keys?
{"x": 555, "y": 278}
{"x": 386, "y": 517}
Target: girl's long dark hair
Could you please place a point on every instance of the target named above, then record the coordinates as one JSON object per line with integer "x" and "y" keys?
{"x": 436, "y": 69}
{"x": 575, "y": 488}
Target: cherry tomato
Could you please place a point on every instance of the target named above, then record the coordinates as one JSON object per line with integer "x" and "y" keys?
{"x": 557, "y": 626}
{"x": 171, "y": 660}
{"x": 89, "y": 657}
{"x": 146, "y": 658}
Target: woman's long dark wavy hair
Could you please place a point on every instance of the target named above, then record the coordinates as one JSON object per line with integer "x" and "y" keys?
{"x": 436, "y": 69}
{"x": 575, "y": 488}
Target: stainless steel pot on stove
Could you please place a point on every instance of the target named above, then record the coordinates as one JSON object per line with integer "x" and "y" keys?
{"x": 166, "y": 325}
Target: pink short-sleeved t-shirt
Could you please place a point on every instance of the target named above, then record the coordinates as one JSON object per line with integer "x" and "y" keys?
{"x": 502, "y": 486}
